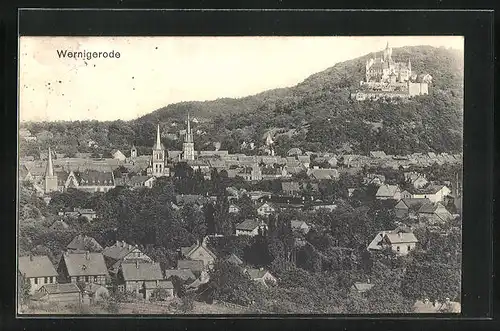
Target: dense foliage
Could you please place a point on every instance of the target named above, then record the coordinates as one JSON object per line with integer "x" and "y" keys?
{"x": 316, "y": 115}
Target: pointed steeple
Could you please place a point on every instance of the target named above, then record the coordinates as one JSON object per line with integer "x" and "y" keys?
{"x": 189, "y": 134}
{"x": 158, "y": 140}
{"x": 50, "y": 169}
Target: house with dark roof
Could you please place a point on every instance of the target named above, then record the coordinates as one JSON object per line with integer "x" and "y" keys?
{"x": 195, "y": 266}
{"x": 84, "y": 267}
{"x": 83, "y": 243}
{"x": 121, "y": 252}
{"x": 434, "y": 213}
{"x": 60, "y": 293}
{"x": 261, "y": 276}
{"x": 185, "y": 275}
{"x": 37, "y": 270}
{"x": 250, "y": 227}
{"x": 89, "y": 180}
{"x": 142, "y": 279}
{"x": 409, "y": 207}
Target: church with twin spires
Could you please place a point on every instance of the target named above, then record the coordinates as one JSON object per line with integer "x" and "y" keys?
{"x": 158, "y": 166}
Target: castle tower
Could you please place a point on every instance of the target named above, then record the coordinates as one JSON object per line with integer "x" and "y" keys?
{"x": 188, "y": 145}
{"x": 158, "y": 158}
{"x": 50, "y": 179}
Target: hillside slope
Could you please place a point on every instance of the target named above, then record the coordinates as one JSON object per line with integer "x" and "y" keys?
{"x": 316, "y": 114}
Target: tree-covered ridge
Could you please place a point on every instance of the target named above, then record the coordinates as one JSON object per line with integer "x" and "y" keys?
{"x": 316, "y": 115}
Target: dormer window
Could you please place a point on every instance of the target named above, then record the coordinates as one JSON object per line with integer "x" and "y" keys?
{"x": 84, "y": 267}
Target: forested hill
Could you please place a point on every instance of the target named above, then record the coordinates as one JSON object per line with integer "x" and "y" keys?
{"x": 316, "y": 114}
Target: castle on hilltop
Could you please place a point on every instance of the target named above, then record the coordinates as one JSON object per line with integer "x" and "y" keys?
{"x": 385, "y": 69}
{"x": 386, "y": 78}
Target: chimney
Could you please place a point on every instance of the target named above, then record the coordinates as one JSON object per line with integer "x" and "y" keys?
{"x": 87, "y": 255}
{"x": 261, "y": 269}
{"x": 31, "y": 257}
{"x": 368, "y": 280}
{"x": 400, "y": 234}
{"x": 130, "y": 247}
{"x": 137, "y": 264}
{"x": 117, "y": 243}
{"x": 123, "y": 243}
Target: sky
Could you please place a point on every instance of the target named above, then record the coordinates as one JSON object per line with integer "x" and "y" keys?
{"x": 153, "y": 72}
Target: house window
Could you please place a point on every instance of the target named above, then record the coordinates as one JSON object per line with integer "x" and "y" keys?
{"x": 86, "y": 278}
{"x": 45, "y": 280}
{"x": 409, "y": 247}
{"x": 51, "y": 280}
{"x": 36, "y": 280}
{"x": 397, "y": 248}
{"x": 78, "y": 278}
{"x": 95, "y": 278}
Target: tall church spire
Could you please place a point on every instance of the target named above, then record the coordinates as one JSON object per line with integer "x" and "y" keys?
{"x": 50, "y": 169}
{"x": 189, "y": 134}
{"x": 158, "y": 140}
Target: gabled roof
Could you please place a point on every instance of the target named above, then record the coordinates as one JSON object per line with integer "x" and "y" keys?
{"x": 141, "y": 271}
{"x": 401, "y": 237}
{"x": 84, "y": 243}
{"x": 431, "y": 189}
{"x": 430, "y": 208}
{"x": 95, "y": 177}
{"x": 248, "y": 225}
{"x": 139, "y": 179}
{"x": 118, "y": 250}
{"x": 387, "y": 190}
{"x": 413, "y": 203}
{"x": 61, "y": 288}
{"x": 85, "y": 264}
{"x": 184, "y": 274}
{"x": 193, "y": 265}
{"x": 257, "y": 273}
{"x": 234, "y": 259}
{"x": 188, "y": 251}
{"x": 39, "y": 266}
{"x": 323, "y": 173}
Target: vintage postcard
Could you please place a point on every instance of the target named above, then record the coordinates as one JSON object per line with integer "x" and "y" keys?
{"x": 240, "y": 175}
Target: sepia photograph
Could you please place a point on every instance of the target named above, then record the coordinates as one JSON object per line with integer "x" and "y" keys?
{"x": 239, "y": 175}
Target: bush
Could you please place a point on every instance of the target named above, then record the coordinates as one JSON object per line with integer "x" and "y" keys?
{"x": 187, "y": 304}
{"x": 111, "y": 307}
